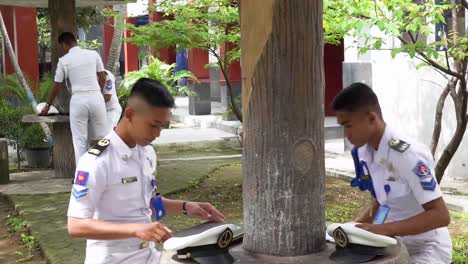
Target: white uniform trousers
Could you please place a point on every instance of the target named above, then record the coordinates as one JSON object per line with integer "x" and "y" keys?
{"x": 433, "y": 251}
{"x": 87, "y": 113}
{"x": 119, "y": 254}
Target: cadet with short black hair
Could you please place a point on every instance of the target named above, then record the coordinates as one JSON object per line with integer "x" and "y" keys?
{"x": 87, "y": 107}
{"x": 399, "y": 174}
{"x": 115, "y": 193}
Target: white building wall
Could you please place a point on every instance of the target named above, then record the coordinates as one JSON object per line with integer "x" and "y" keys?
{"x": 408, "y": 98}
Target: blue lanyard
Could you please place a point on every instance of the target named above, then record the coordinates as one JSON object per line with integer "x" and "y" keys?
{"x": 362, "y": 181}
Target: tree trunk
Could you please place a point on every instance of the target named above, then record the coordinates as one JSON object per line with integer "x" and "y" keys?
{"x": 438, "y": 116}
{"x": 62, "y": 17}
{"x": 114, "y": 52}
{"x": 454, "y": 143}
{"x": 20, "y": 75}
{"x": 283, "y": 161}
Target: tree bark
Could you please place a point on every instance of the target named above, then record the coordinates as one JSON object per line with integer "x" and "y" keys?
{"x": 116, "y": 45}
{"x": 438, "y": 116}
{"x": 457, "y": 137}
{"x": 64, "y": 154}
{"x": 283, "y": 161}
{"x": 62, "y": 17}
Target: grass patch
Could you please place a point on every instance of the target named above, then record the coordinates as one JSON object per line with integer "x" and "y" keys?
{"x": 18, "y": 226}
{"x": 223, "y": 189}
{"x": 460, "y": 249}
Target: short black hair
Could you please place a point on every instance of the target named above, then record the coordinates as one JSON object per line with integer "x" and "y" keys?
{"x": 355, "y": 98}
{"x": 67, "y": 38}
{"x": 153, "y": 92}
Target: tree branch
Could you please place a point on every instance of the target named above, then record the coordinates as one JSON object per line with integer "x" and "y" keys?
{"x": 228, "y": 84}
{"x": 438, "y": 115}
{"x": 433, "y": 63}
{"x": 464, "y": 3}
{"x": 447, "y": 59}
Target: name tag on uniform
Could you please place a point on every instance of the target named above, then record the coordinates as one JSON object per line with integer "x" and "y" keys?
{"x": 129, "y": 180}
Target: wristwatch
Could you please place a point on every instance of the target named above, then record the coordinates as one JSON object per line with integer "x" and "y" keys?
{"x": 184, "y": 208}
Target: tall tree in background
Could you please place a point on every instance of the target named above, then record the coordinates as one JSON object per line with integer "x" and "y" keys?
{"x": 412, "y": 23}
{"x": 201, "y": 24}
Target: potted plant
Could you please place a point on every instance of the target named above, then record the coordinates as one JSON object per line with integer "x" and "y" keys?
{"x": 157, "y": 70}
{"x": 37, "y": 149}
{"x": 22, "y": 136}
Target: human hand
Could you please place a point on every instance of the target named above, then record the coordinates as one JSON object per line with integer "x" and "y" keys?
{"x": 204, "y": 211}
{"x": 45, "y": 110}
{"x": 375, "y": 228}
{"x": 152, "y": 232}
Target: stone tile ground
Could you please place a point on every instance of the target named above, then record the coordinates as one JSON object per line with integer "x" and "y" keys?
{"x": 46, "y": 213}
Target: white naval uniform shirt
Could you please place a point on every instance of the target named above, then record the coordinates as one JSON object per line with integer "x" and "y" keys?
{"x": 109, "y": 88}
{"x": 115, "y": 187}
{"x": 80, "y": 66}
{"x": 410, "y": 188}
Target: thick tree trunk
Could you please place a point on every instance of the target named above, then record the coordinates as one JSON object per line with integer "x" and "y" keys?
{"x": 62, "y": 17}
{"x": 283, "y": 161}
{"x": 438, "y": 116}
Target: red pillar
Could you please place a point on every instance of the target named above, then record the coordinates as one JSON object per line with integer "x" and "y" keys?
{"x": 167, "y": 55}
{"x": 130, "y": 50}
{"x": 333, "y": 66}
{"x": 107, "y": 38}
{"x": 24, "y": 41}
{"x": 235, "y": 72}
{"x": 197, "y": 59}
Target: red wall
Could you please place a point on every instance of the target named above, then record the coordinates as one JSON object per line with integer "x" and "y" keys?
{"x": 26, "y": 34}
{"x": 333, "y": 60}
{"x": 197, "y": 59}
{"x": 235, "y": 73}
{"x": 107, "y": 38}
{"x": 131, "y": 51}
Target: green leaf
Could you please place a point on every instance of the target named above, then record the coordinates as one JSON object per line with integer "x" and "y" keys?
{"x": 420, "y": 65}
{"x": 363, "y": 50}
{"x": 395, "y": 52}
{"x": 378, "y": 44}
{"x": 381, "y": 25}
{"x": 412, "y": 52}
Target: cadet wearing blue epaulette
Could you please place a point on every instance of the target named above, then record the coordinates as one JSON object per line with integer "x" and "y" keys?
{"x": 114, "y": 192}
{"x": 407, "y": 201}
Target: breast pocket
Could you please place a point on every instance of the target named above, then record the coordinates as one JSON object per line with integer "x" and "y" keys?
{"x": 127, "y": 189}
{"x": 398, "y": 191}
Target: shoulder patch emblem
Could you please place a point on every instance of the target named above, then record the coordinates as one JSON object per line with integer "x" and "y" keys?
{"x": 424, "y": 174}
{"x": 82, "y": 178}
{"x": 398, "y": 145}
{"x": 99, "y": 147}
{"x": 109, "y": 85}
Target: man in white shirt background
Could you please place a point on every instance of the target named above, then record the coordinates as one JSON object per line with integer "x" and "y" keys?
{"x": 87, "y": 106}
{"x": 113, "y": 108}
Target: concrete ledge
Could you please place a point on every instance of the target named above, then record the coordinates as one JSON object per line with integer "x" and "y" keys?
{"x": 394, "y": 255}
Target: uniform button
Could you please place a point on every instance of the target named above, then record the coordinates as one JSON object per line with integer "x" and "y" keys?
{"x": 125, "y": 157}
{"x": 145, "y": 211}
